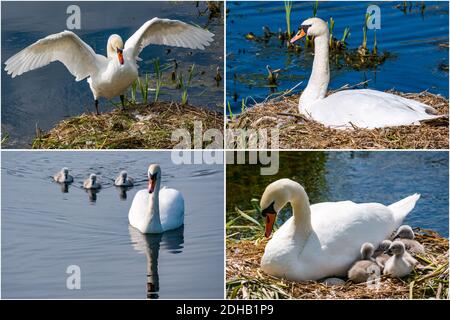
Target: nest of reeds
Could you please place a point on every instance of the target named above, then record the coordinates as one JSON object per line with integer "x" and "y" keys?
{"x": 144, "y": 126}
{"x": 245, "y": 280}
{"x": 297, "y": 132}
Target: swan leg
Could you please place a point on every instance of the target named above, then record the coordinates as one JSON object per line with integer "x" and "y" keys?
{"x": 122, "y": 100}
{"x": 96, "y": 107}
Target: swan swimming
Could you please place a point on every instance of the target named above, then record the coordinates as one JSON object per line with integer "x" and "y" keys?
{"x": 91, "y": 183}
{"x": 123, "y": 180}
{"x": 63, "y": 176}
{"x": 401, "y": 263}
{"x": 112, "y": 75}
{"x": 156, "y": 210}
{"x": 324, "y": 239}
{"x": 363, "y": 108}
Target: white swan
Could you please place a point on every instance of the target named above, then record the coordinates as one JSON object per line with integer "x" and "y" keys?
{"x": 154, "y": 210}
{"x": 323, "y": 239}
{"x": 362, "y": 108}
{"x": 91, "y": 183}
{"x": 112, "y": 75}
{"x": 63, "y": 176}
{"x": 401, "y": 263}
{"x": 123, "y": 180}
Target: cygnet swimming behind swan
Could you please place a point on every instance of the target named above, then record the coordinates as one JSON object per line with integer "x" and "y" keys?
{"x": 405, "y": 234}
{"x": 401, "y": 263}
{"x": 63, "y": 176}
{"x": 91, "y": 183}
{"x": 123, "y": 180}
{"x": 363, "y": 269}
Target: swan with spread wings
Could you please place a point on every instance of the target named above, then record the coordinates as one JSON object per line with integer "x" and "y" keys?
{"x": 112, "y": 75}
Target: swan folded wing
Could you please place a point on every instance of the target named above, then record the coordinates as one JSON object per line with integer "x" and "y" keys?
{"x": 171, "y": 208}
{"x": 167, "y": 32}
{"x": 66, "y": 47}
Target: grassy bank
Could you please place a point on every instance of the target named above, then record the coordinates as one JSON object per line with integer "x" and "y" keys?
{"x": 297, "y": 132}
{"x": 245, "y": 280}
{"x": 142, "y": 126}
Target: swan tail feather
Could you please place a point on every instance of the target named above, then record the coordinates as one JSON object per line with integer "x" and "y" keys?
{"x": 403, "y": 207}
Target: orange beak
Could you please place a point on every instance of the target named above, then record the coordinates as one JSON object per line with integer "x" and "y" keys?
{"x": 270, "y": 220}
{"x": 298, "y": 36}
{"x": 120, "y": 55}
{"x": 151, "y": 185}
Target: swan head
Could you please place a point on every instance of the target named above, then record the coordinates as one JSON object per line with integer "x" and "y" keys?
{"x": 404, "y": 232}
{"x": 115, "y": 47}
{"x": 312, "y": 27}
{"x": 396, "y": 248}
{"x": 275, "y": 197}
{"x": 124, "y": 175}
{"x": 154, "y": 177}
{"x": 384, "y": 245}
{"x": 367, "y": 250}
{"x": 93, "y": 177}
{"x": 65, "y": 171}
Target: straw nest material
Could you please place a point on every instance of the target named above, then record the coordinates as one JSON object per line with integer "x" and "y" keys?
{"x": 138, "y": 127}
{"x": 245, "y": 280}
{"x": 297, "y": 132}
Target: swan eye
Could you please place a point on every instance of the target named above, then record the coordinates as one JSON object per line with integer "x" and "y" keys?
{"x": 269, "y": 209}
{"x": 305, "y": 28}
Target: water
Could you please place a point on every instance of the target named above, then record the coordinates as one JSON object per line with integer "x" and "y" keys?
{"x": 412, "y": 37}
{"x": 45, "y": 230}
{"x": 50, "y": 94}
{"x": 383, "y": 177}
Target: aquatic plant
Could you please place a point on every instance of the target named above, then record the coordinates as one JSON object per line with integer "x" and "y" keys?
{"x": 315, "y": 8}
{"x": 184, "y": 85}
{"x": 288, "y": 10}
{"x": 158, "y": 77}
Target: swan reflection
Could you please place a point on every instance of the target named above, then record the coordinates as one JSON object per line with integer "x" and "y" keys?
{"x": 151, "y": 244}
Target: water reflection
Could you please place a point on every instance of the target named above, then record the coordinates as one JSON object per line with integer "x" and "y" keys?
{"x": 122, "y": 191}
{"x": 64, "y": 187}
{"x": 92, "y": 194}
{"x": 150, "y": 245}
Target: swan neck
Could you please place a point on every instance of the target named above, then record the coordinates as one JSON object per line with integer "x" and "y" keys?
{"x": 302, "y": 214}
{"x": 320, "y": 74}
{"x": 153, "y": 218}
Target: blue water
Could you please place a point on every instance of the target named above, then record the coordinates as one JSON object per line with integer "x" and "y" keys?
{"x": 44, "y": 230}
{"x": 384, "y": 177}
{"x": 412, "y": 38}
{"x": 48, "y": 95}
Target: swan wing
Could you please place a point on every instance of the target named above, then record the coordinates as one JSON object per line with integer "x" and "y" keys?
{"x": 66, "y": 47}
{"x": 167, "y": 32}
{"x": 369, "y": 109}
{"x": 136, "y": 215}
{"x": 171, "y": 208}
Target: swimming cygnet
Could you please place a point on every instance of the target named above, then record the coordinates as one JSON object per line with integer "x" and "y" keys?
{"x": 401, "y": 263}
{"x": 405, "y": 234}
{"x": 379, "y": 255}
{"x": 123, "y": 180}
{"x": 91, "y": 182}
{"x": 63, "y": 176}
{"x": 366, "y": 267}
